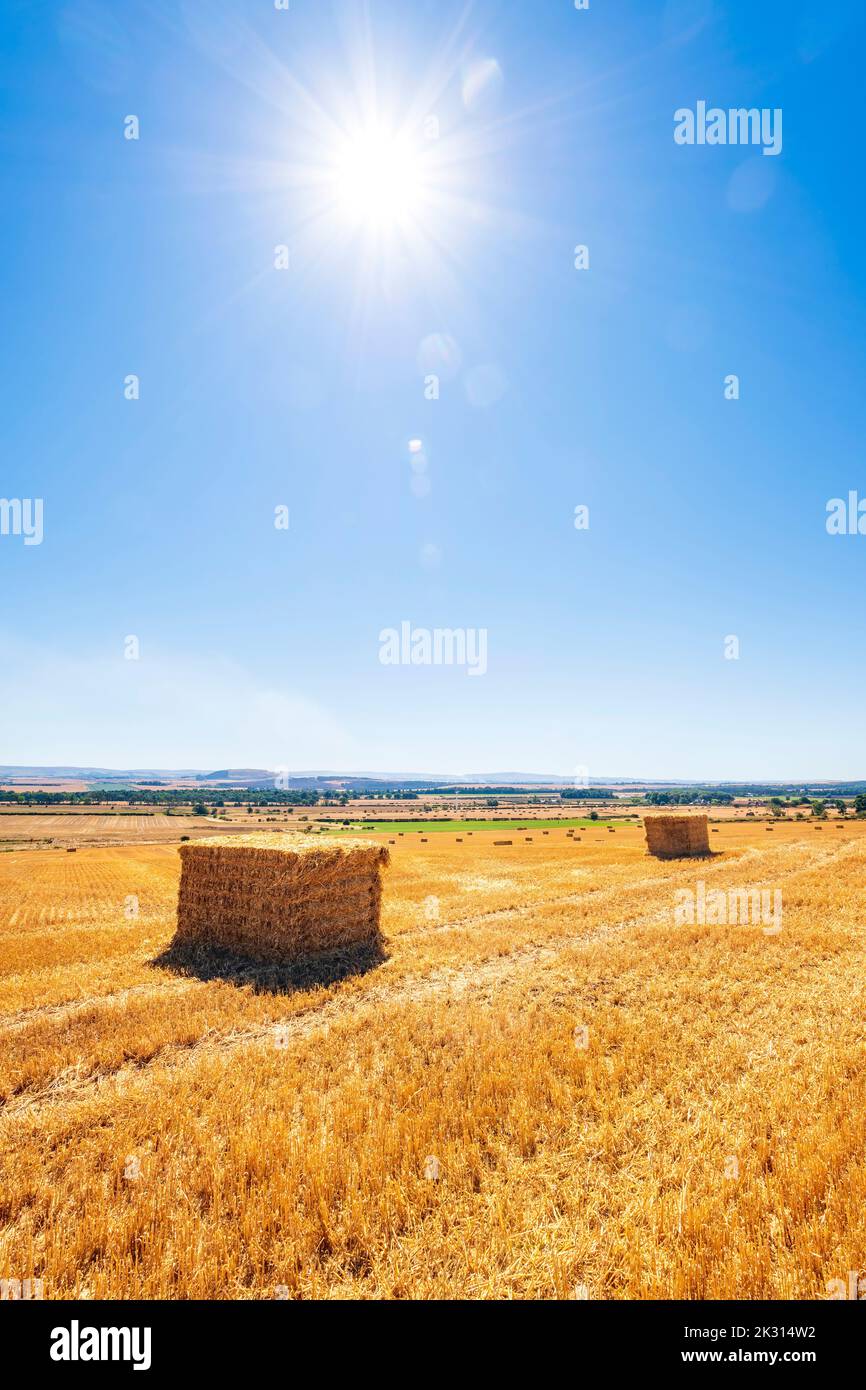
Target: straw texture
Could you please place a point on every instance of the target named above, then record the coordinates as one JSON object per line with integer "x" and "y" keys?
{"x": 279, "y": 897}
{"x": 677, "y": 837}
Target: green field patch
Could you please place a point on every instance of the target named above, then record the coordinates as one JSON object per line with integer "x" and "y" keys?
{"x": 412, "y": 827}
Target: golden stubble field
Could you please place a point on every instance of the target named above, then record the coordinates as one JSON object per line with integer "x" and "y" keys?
{"x": 617, "y": 1107}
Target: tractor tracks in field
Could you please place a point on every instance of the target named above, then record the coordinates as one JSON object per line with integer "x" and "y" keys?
{"x": 71, "y": 1009}
{"x": 699, "y": 868}
{"x": 477, "y": 978}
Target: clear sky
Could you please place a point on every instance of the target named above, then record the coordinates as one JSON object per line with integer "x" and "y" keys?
{"x": 421, "y": 247}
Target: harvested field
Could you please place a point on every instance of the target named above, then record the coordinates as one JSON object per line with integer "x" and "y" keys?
{"x": 169, "y": 1135}
{"x": 61, "y": 829}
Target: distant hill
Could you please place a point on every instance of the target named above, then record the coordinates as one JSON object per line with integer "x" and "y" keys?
{"x": 255, "y": 778}
{"x": 238, "y": 774}
{"x": 92, "y": 774}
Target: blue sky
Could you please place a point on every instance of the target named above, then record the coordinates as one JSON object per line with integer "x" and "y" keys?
{"x": 262, "y": 387}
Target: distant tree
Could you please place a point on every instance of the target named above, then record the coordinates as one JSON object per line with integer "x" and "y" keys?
{"x": 860, "y": 804}
{"x": 841, "y": 806}
{"x": 819, "y": 809}
{"x": 593, "y": 815}
{"x": 199, "y": 809}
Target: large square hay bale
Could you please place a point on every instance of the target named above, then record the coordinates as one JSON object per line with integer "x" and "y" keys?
{"x": 677, "y": 837}
{"x": 279, "y": 897}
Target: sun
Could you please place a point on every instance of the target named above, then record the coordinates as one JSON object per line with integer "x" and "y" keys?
{"x": 379, "y": 179}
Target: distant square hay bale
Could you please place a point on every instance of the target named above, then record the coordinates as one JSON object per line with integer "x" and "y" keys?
{"x": 677, "y": 837}
{"x": 279, "y": 898}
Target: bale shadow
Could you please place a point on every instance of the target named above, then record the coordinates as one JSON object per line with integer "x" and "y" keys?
{"x": 268, "y": 977}
{"x": 685, "y": 858}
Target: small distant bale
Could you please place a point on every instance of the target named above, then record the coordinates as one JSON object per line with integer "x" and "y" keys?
{"x": 70, "y": 849}
{"x": 279, "y": 898}
{"x": 677, "y": 837}
{"x": 502, "y": 842}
